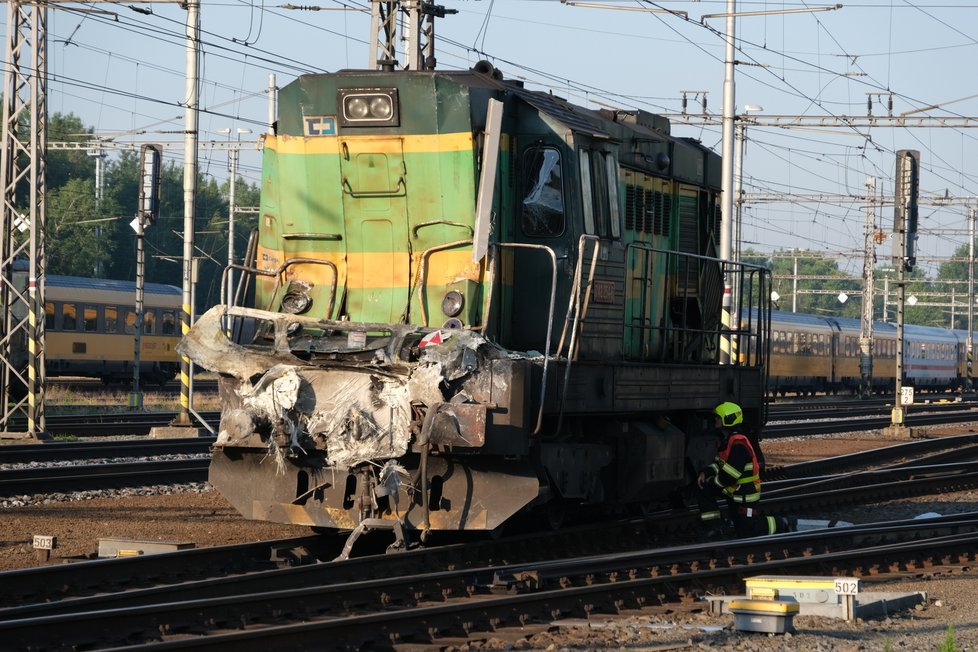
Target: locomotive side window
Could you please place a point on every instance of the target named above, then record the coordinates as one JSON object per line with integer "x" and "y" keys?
{"x": 599, "y": 193}
{"x": 48, "y": 315}
{"x": 130, "y": 321}
{"x": 543, "y": 199}
{"x": 149, "y": 322}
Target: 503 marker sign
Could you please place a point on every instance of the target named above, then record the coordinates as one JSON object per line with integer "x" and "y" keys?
{"x": 43, "y": 542}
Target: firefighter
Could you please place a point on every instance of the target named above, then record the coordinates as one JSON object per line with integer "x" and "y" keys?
{"x": 734, "y": 476}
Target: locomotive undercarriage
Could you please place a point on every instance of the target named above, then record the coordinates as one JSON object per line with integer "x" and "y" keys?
{"x": 441, "y": 436}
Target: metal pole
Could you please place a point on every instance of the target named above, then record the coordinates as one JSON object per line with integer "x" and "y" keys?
{"x": 189, "y": 194}
{"x": 896, "y": 420}
{"x": 726, "y": 180}
{"x": 886, "y": 298}
{"x": 738, "y": 190}
{"x": 727, "y": 135}
{"x": 36, "y": 423}
{"x": 866, "y": 324}
{"x": 969, "y": 385}
{"x": 136, "y": 395}
{"x": 272, "y": 102}
{"x": 794, "y": 286}
{"x": 232, "y": 207}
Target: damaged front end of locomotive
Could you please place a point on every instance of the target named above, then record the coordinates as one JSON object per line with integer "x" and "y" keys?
{"x": 330, "y": 424}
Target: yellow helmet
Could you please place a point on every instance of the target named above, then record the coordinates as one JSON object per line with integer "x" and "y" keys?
{"x": 730, "y": 414}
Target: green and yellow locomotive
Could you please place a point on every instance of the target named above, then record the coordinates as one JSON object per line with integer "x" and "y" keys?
{"x": 472, "y": 301}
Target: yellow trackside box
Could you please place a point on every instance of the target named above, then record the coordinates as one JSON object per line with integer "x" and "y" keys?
{"x": 769, "y": 616}
{"x": 799, "y": 588}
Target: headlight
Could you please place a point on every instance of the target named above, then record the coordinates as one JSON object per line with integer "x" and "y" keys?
{"x": 453, "y": 303}
{"x": 357, "y": 108}
{"x": 365, "y": 107}
{"x": 380, "y": 107}
{"x": 296, "y": 299}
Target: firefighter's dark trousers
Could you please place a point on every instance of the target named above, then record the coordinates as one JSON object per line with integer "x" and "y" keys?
{"x": 747, "y": 521}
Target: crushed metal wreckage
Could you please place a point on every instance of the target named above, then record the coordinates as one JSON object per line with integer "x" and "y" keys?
{"x": 354, "y": 410}
{"x": 335, "y": 425}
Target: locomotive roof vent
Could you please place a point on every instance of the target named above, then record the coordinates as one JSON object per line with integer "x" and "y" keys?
{"x": 644, "y": 119}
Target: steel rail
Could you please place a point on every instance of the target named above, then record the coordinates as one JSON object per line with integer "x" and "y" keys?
{"x": 34, "y": 480}
{"x": 65, "y": 451}
{"x": 395, "y": 610}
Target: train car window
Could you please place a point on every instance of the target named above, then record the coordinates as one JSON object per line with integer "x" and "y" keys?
{"x": 68, "y": 321}
{"x": 111, "y": 319}
{"x": 149, "y": 322}
{"x": 543, "y": 198}
{"x": 48, "y": 315}
{"x": 130, "y": 321}
{"x": 169, "y": 322}
{"x": 90, "y": 318}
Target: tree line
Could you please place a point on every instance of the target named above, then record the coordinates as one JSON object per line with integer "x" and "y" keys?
{"x": 94, "y": 239}
{"x": 940, "y": 301}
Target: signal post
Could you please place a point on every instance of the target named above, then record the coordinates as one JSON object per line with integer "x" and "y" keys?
{"x": 904, "y": 258}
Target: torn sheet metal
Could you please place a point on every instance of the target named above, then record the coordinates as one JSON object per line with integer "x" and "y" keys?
{"x": 352, "y": 410}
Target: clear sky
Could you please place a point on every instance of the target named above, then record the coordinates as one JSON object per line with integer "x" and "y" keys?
{"x": 121, "y": 71}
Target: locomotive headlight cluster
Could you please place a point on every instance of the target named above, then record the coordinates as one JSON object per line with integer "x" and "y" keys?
{"x": 362, "y": 107}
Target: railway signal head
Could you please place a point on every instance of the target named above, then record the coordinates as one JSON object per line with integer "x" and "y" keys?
{"x": 150, "y": 176}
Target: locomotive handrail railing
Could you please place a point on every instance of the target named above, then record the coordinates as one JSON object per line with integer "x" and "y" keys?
{"x": 727, "y": 267}
{"x": 574, "y": 304}
{"x": 423, "y": 271}
{"x": 278, "y": 272}
{"x": 575, "y": 295}
{"x": 550, "y": 317}
{"x": 333, "y": 237}
{"x": 357, "y": 194}
{"x": 417, "y": 227}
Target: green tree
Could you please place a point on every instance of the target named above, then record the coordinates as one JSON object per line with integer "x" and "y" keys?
{"x": 65, "y": 165}
{"x": 952, "y": 281}
{"x": 80, "y": 234}
{"x": 164, "y": 240}
{"x": 819, "y": 283}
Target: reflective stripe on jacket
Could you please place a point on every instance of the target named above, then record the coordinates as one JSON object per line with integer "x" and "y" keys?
{"x": 736, "y": 471}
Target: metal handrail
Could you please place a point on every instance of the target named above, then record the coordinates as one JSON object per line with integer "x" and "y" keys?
{"x": 727, "y": 267}
{"x": 550, "y": 317}
{"x": 574, "y": 305}
{"x": 278, "y": 273}
{"x": 423, "y": 271}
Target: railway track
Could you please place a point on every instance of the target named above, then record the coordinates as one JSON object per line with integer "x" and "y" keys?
{"x": 109, "y": 423}
{"x": 62, "y": 451}
{"x": 113, "y": 475}
{"x": 304, "y": 606}
{"x": 799, "y": 494}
